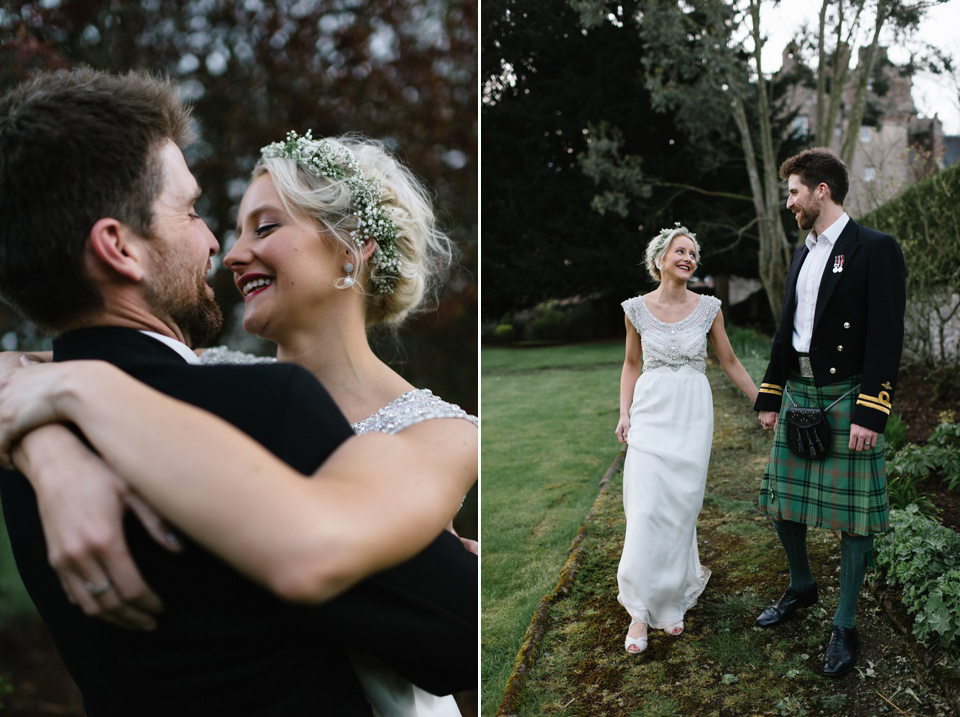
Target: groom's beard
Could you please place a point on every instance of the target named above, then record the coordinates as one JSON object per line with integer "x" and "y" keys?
{"x": 181, "y": 293}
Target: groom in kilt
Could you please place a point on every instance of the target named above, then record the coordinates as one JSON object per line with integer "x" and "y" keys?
{"x": 840, "y": 337}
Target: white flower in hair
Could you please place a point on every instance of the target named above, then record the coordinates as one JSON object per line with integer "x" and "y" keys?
{"x": 666, "y": 235}
{"x": 327, "y": 159}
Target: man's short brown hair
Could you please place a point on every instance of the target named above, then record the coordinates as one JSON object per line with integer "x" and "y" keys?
{"x": 76, "y": 147}
{"x": 819, "y": 166}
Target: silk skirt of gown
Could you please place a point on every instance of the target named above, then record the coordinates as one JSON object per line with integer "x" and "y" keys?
{"x": 664, "y": 476}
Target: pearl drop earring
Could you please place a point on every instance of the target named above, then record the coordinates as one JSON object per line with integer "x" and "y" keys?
{"x": 347, "y": 281}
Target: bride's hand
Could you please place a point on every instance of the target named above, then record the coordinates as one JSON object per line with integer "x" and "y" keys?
{"x": 82, "y": 502}
{"x": 29, "y": 398}
{"x": 623, "y": 428}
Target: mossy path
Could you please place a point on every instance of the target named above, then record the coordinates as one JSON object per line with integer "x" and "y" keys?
{"x": 722, "y": 664}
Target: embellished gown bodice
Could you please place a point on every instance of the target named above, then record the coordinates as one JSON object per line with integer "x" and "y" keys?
{"x": 682, "y": 343}
{"x": 407, "y": 409}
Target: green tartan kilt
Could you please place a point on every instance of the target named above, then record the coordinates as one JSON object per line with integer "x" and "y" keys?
{"x": 845, "y": 490}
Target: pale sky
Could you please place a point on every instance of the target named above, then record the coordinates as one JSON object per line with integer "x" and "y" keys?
{"x": 940, "y": 25}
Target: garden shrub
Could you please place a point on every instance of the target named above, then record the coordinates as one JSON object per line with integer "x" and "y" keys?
{"x": 551, "y": 323}
{"x": 748, "y": 343}
{"x": 925, "y": 219}
{"x": 909, "y": 466}
{"x": 944, "y": 448}
{"x": 922, "y": 558}
{"x": 894, "y": 435}
{"x": 504, "y": 332}
{"x": 566, "y": 320}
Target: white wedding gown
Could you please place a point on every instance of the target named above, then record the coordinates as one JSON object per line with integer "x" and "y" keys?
{"x": 389, "y": 694}
{"x": 665, "y": 471}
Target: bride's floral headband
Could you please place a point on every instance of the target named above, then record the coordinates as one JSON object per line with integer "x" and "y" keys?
{"x": 663, "y": 239}
{"x": 667, "y": 234}
{"x": 657, "y": 248}
{"x": 326, "y": 159}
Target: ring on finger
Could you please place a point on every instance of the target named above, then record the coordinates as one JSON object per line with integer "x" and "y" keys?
{"x": 98, "y": 591}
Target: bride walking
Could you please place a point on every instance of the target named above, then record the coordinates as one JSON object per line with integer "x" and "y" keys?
{"x": 666, "y": 420}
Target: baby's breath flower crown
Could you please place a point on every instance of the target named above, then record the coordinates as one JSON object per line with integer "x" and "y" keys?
{"x": 326, "y": 159}
{"x": 667, "y": 234}
{"x": 657, "y": 247}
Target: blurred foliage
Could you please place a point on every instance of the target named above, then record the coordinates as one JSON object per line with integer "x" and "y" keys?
{"x": 605, "y": 120}
{"x": 584, "y": 167}
{"x": 403, "y": 71}
{"x": 894, "y": 435}
{"x": 925, "y": 219}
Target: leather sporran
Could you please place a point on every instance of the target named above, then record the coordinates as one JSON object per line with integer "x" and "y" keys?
{"x": 808, "y": 433}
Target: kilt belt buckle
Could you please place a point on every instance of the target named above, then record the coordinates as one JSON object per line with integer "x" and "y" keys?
{"x": 806, "y": 368}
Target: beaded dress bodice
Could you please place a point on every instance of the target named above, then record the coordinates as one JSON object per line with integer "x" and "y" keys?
{"x": 407, "y": 409}
{"x": 222, "y": 355}
{"x": 682, "y": 343}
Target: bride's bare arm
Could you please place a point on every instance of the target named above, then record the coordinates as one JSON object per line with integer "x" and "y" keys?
{"x": 374, "y": 503}
{"x": 728, "y": 359}
{"x": 632, "y": 364}
{"x": 451, "y": 444}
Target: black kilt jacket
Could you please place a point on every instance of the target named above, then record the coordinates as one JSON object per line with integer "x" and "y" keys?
{"x": 857, "y": 325}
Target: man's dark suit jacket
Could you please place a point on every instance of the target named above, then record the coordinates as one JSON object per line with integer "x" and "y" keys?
{"x": 857, "y": 324}
{"x": 225, "y": 646}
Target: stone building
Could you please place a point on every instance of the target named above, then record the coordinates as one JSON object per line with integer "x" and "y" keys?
{"x": 895, "y": 146}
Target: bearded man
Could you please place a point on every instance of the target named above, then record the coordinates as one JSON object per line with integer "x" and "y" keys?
{"x": 837, "y": 347}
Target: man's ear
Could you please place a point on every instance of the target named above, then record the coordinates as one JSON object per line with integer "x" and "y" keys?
{"x": 116, "y": 249}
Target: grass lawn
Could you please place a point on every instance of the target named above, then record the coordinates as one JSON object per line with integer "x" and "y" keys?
{"x": 548, "y": 421}
{"x": 549, "y": 414}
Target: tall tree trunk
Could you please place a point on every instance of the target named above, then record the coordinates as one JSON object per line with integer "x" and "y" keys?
{"x": 865, "y": 70}
{"x": 774, "y": 249}
{"x": 774, "y": 252}
{"x": 836, "y": 69}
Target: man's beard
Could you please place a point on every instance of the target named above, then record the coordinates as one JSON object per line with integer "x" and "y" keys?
{"x": 184, "y": 300}
{"x": 808, "y": 216}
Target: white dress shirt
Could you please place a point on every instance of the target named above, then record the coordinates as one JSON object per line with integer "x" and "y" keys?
{"x": 808, "y": 283}
{"x": 181, "y": 348}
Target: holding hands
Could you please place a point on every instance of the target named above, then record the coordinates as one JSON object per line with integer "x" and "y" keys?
{"x": 861, "y": 439}
{"x": 768, "y": 419}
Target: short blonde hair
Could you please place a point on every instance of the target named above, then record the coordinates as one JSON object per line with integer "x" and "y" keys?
{"x": 425, "y": 252}
{"x": 660, "y": 244}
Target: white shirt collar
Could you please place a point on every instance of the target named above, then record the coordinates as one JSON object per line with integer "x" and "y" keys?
{"x": 831, "y": 233}
{"x": 181, "y": 348}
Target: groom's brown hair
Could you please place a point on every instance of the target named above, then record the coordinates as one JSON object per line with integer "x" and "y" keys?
{"x": 76, "y": 147}
{"x": 816, "y": 165}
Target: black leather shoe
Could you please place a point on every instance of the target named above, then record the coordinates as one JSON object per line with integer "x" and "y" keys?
{"x": 783, "y": 609}
{"x": 841, "y": 652}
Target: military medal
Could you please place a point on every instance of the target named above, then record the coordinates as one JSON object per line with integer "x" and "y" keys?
{"x": 838, "y": 264}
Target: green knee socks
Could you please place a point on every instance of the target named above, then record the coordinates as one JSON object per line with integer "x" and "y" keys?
{"x": 793, "y": 537}
{"x": 854, "y": 553}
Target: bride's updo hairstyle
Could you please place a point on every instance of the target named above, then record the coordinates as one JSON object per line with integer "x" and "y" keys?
{"x": 660, "y": 244}
{"x": 397, "y": 281}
